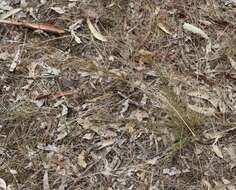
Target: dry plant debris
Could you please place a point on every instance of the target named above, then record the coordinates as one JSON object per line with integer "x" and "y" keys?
{"x": 126, "y": 94}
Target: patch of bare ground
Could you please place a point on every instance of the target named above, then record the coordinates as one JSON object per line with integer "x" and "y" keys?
{"x": 131, "y": 95}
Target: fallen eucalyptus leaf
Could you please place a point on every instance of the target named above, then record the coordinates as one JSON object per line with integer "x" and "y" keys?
{"x": 95, "y": 33}
{"x": 203, "y": 110}
{"x": 205, "y": 96}
{"x": 163, "y": 28}
{"x": 59, "y": 10}
{"x": 195, "y": 30}
{"x": 3, "y": 185}
{"x": 45, "y": 181}
{"x": 217, "y": 151}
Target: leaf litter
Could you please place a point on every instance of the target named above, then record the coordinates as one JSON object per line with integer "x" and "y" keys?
{"x": 146, "y": 109}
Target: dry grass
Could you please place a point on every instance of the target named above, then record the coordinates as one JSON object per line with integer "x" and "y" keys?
{"x": 127, "y": 121}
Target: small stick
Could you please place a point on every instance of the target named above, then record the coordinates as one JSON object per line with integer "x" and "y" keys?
{"x": 39, "y": 26}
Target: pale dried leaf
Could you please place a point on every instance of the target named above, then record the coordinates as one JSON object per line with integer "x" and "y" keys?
{"x": 205, "y": 22}
{"x": 144, "y": 100}
{"x": 64, "y": 110}
{"x": 222, "y": 106}
{"x": 106, "y": 143}
{"x": 171, "y": 171}
{"x": 13, "y": 172}
{"x": 203, "y": 110}
{"x": 208, "y": 46}
{"x": 59, "y": 10}
{"x": 81, "y": 160}
{"x": 95, "y": 33}
{"x": 3, "y": 185}
{"x": 214, "y": 135}
{"x": 50, "y": 148}
{"x": 163, "y": 28}
{"x": 61, "y": 135}
{"x": 45, "y": 181}
{"x": 205, "y": 96}
{"x": 77, "y": 39}
{"x": 38, "y": 103}
{"x": 157, "y": 10}
{"x": 15, "y": 61}
{"x": 217, "y": 150}
{"x": 73, "y": 28}
{"x": 195, "y": 30}
{"x": 153, "y": 161}
{"x": 43, "y": 2}
{"x": 125, "y": 107}
{"x": 10, "y": 13}
{"x": 88, "y": 136}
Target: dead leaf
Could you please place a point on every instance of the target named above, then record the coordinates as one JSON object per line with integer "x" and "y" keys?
{"x": 157, "y": 10}
{"x": 15, "y": 61}
{"x": 125, "y": 107}
{"x": 217, "y": 150}
{"x": 205, "y": 22}
{"x": 163, "y": 28}
{"x": 64, "y": 110}
{"x": 195, "y": 30}
{"x": 45, "y": 181}
{"x": 153, "y": 161}
{"x": 73, "y": 29}
{"x": 203, "y": 110}
{"x": 37, "y": 26}
{"x": 3, "y": 185}
{"x": 106, "y": 143}
{"x": 222, "y": 106}
{"x": 205, "y": 96}
{"x": 9, "y": 13}
{"x": 59, "y": 10}
{"x": 77, "y": 39}
{"x": 95, "y": 33}
{"x": 172, "y": 171}
{"x": 81, "y": 160}
{"x": 88, "y": 136}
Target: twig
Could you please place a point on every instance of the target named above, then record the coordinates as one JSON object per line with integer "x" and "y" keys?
{"x": 38, "y": 26}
